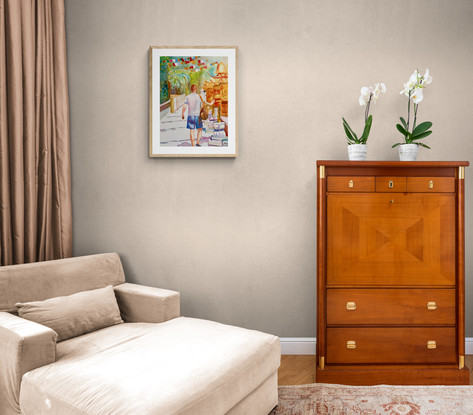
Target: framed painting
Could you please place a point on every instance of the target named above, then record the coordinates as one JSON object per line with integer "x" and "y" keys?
{"x": 192, "y": 102}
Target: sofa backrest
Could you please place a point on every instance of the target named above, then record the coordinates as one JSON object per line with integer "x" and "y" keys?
{"x": 42, "y": 280}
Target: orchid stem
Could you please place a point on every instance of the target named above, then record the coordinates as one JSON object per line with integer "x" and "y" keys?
{"x": 416, "y": 106}
{"x": 367, "y": 111}
{"x": 408, "y": 113}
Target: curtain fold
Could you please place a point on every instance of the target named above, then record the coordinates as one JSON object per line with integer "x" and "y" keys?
{"x": 35, "y": 174}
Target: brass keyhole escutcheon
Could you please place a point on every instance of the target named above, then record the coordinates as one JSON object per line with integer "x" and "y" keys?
{"x": 391, "y": 184}
{"x": 431, "y": 344}
{"x": 431, "y": 305}
{"x": 350, "y": 183}
{"x": 351, "y": 344}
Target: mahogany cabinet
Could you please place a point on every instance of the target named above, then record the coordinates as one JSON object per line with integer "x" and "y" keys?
{"x": 390, "y": 273}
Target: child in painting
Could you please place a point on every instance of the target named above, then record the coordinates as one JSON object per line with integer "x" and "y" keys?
{"x": 194, "y": 122}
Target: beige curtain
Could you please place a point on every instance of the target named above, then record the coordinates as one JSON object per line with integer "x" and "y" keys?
{"x": 35, "y": 182}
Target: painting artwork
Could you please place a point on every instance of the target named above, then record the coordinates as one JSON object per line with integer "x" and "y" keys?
{"x": 192, "y": 102}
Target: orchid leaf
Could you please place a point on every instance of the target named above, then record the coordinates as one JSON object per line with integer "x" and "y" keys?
{"x": 421, "y": 128}
{"x": 366, "y": 131}
{"x": 423, "y": 145}
{"x": 395, "y": 145}
{"x": 402, "y": 130}
{"x": 348, "y": 133}
{"x": 422, "y": 135}
{"x": 345, "y": 123}
{"x": 404, "y": 123}
{"x": 349, "y": 136}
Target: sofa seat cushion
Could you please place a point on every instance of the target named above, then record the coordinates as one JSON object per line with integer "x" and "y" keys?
{"x": 182, "y": 366}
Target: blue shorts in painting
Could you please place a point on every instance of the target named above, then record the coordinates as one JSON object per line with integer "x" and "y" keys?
{"x": 194, "y": 122}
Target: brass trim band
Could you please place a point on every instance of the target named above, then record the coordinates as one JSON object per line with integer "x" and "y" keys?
{"x": 322, "y": 172}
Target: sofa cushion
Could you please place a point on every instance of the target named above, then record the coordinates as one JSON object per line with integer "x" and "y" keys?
{"x": 75, "y": 314}
{"x": 182, "y": 366}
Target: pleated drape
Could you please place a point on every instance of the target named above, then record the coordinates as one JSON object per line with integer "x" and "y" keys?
{"x": 35, "y": 174}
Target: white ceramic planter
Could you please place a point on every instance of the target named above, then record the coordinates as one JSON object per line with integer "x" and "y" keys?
{"x": 357, "y": 152}
{"x": 408, "y": 152}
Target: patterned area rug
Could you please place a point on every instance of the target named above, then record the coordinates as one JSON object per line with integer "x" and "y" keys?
{"x": 327, "y": 399}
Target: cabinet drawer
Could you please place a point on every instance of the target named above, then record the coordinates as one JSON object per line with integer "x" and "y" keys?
{"x": 390, "y": 184}
{"x": 414, "y": 345}
{"x": 350, "y": 184}
{"x": 396, "y": 306}
{"x": 431, "y": 184}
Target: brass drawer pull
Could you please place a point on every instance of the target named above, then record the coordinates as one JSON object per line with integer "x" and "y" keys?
{"x": 431, "y": 344}
{"x": 351, "y": 306}
{"x": 350, "y": 183}
{"x": 391, "y": 184}
{"x": 351, "y": 344}
{"x": 431, "y": 184}
{"x": 431, "y": 305}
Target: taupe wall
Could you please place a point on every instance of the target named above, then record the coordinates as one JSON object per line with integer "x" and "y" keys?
{"x": 237, "y": 236}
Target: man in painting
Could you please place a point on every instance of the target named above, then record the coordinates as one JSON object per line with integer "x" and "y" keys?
{"x": 194, "y": 122}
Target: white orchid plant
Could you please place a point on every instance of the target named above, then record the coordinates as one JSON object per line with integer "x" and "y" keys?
{"x": 368, "y": 94}
{"x": 413, "y": 89}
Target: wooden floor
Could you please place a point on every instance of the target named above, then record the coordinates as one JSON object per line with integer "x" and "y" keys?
{"x": 300, "y": 370}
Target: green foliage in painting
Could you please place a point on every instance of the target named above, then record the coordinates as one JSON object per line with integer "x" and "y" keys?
{"x": 179, "y": 81}
{"x": 163, "y": 77}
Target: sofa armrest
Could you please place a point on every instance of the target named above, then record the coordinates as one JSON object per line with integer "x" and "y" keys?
{"x": 24, "y": 346}
{"x": 139, "y": 303}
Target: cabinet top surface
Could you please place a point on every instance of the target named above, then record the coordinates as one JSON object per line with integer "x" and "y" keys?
{"x": 396, "y": 164}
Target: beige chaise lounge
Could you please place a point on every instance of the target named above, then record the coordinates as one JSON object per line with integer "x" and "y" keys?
{"x": 154, "y": 362}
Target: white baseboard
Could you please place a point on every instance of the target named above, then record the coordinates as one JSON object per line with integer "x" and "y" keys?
{"x": 306, "y": 345}
{"x": 297, "y": 345}
{"x": 469, "y": 345}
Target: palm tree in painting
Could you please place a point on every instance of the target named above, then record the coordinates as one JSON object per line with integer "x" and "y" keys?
{"x": 179, "y": 81}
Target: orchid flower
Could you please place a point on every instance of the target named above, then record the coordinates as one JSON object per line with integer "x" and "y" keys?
{"x": 417, "y": 95}
{"x": 365, "y": 95}
{"x": 427, "y": 78}
{"x": 378, "y": 88}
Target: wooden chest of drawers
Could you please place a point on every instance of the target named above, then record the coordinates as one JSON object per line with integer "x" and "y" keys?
{"x": 390, "y": 273}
